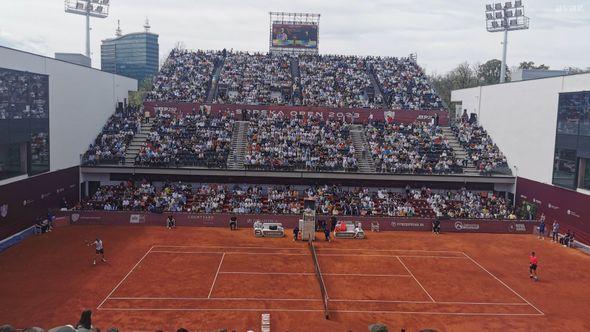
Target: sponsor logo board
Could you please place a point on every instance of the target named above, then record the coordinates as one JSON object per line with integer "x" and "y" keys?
{"x": 465, "y": 226}
{"x": 3, "y": 210}
{"x": 137, "y": 219}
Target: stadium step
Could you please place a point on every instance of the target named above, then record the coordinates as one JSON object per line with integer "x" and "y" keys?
{"x": 361, "y": 149}
{"x": 239, "y": 142}
{"x": 138, "y": 140}
{"x": 212, "y": 93}
{"x": 376, "y": 86}
{"x": 459, "y": 150}
{"x": 296, "y": 76}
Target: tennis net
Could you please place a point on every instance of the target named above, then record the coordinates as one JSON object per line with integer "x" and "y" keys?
{"x": 318, "y": 273}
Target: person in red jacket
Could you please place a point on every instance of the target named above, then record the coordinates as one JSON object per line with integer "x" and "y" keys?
{"x": 533, "y": 267}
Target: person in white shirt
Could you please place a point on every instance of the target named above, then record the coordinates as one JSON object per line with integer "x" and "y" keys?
{"x": 99, "y": 250}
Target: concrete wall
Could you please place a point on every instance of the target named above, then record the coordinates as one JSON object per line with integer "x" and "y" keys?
{"x": 521, "y": 118}
{"x": 81, "y": 99}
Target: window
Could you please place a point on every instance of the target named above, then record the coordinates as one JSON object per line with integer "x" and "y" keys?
{"x": 585, "y": 174}
{"x": 11, "y": 161}
{"x": 564, "y": 168}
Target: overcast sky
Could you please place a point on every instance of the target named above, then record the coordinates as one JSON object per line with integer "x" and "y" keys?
{"x": 442, "y": 33}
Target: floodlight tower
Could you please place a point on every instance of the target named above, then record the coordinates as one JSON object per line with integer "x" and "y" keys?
{"x": 88, "y": 8}
{"x": 504, "y": 18}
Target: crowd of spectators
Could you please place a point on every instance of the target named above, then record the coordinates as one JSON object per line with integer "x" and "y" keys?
{"x": 482, "y": 151}
{"x": 23, "y": 95}
{"x": 185, "y": 76}
{"x": 404, "y": 84}
{"x": 325, "y": 80}
{"x": 335, "y": 81}
{"x": 198, "y": 139}
{"x": 276, "y": 142}
{"x": 256, "y": 78}
{"x": 279, "y": 199}
{"x": 112, "y": 142}
{"x": 417, "y": 148}
{"x": 468, "y": 204}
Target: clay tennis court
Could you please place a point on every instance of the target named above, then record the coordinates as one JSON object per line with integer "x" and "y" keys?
{"x": 210, "y": 278}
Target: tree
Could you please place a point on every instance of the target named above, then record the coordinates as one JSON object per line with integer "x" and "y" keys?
{"x": 489, "y": 72}
{"x": 461, "y": 77}
{"x": 136, "y": 98}
{"x": 575, "y": 70}
{"x": 531, "y": 65}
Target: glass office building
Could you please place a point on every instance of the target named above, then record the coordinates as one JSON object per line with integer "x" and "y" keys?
{"x": 134, "y": 55}
{"x": 24, "y": 123}
{"x": 571, "y": 166}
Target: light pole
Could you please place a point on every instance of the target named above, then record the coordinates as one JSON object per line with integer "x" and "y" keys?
{"x": 515, "y": 187}
{"x": 88, "y": 8}
{"x": 504, "y": 18}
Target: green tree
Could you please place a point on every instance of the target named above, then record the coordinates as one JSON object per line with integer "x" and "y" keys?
{"x": 461, "y": 77}
{"x": 489, "y": 72}
{"x": 531, "y": 65}
{"x": 136, "y": 98}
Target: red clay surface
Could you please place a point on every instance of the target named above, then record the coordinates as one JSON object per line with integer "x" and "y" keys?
{"x": 205, "y": 279}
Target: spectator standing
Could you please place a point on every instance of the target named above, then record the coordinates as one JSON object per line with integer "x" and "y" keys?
{"x": 233, "y": 223}
{"x": 555, "y": 232}
{"x": 542, "y": 227}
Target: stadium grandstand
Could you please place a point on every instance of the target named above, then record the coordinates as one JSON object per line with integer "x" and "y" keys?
{"x": 192, "y": 203}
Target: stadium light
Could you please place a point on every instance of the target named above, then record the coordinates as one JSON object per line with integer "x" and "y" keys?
{"x": 504, "y": 18}
{"x": 88, "y": 8}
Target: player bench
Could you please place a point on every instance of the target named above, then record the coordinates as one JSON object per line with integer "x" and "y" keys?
{"x": 346, "y": 229}
{"x": 268, "y": 229}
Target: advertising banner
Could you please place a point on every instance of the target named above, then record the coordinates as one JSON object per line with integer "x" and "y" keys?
{"x": 289, "y": 221}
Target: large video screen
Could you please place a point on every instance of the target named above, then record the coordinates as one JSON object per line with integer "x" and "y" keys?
{"x": 295, "y": 36}
{"x": 24, "y": 123}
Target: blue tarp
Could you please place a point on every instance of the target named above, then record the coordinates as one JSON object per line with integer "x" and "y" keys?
{"x": 16, "y": 238}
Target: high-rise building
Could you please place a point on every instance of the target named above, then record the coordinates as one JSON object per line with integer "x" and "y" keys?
{"x": 134, "y": 55}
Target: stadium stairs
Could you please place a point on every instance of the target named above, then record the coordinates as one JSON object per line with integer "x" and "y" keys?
{"x": 376, "y": 86}
{"x": 137, "y": 142}
{"x": 212, "y": 93}
{"x": 365, "y": 162}
{"x": 239, "y": 141}
{"x": 295, "y": 74}
{"x": 459, "y": 151}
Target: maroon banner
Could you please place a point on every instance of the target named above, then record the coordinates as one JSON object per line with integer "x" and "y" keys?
{"x": 356, "y": 115}
{"x": 289, "y": 221}
{"x": 570, "y": 208}
{"x": 23, "y": 202}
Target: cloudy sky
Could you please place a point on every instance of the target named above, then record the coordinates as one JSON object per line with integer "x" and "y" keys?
{"x": 442, "y": 33}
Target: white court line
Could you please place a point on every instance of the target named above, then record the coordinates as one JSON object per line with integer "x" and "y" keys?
{"x": 226, "y": 247}
{"x": 410, "y": 272}
{"x": 388, "y": 250}
{"x": 322, "y": 310}
{"x": 312, "y": 299}
{"x": 505, "y": 285}
{"x": 313, "y": 274}
{"x": 431, "y": 313}
{"x": 212, "y": 299}
{"x": 430, "y": 302}
{"x": 216, "y": 274}
{"x": 384, "y": 255}
{"x": 186, "y": 252}
{"x": 290, "y": 254}
{"x": 125, "y": 277}
{"x": 227, "y": 252}
{"x": 317, "y": 248}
